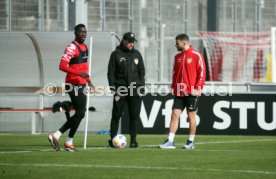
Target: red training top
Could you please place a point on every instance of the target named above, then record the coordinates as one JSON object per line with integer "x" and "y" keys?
{"x": 188, "y": 72}
{"x": 74, "y": 61}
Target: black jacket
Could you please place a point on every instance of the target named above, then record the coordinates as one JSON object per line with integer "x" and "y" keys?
{"x": 124, "y": 67}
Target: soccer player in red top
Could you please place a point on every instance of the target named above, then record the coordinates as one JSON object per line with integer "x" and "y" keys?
{"x": 74, "y": 63}
{"x": 187, "y": 82}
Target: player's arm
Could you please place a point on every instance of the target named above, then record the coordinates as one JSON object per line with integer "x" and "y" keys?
{"x": 141, "y": 71}
{"x": 173, "y": 77}
{"x": 201, "y": 73}
{"x": 69, "y": 53}
{"x": 111, "y": 71}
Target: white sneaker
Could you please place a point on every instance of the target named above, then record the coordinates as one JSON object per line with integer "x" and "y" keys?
{"x": 54, "y": 142}
{"x": 189, "y": 145}
{"x": 167, "y": 145}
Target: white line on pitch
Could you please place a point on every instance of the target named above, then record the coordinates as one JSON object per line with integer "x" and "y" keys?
{"x": 97, "y": 148}
{"x": 236, "y": 141}
{"x": 223, "y": 142}
{"x": 14, "y": 152}
{"x": 138, "y": 167}
{"x": 25, "y": 151}
{"x": 199, "y": 143}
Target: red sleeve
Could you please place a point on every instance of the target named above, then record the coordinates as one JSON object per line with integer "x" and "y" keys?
{"x": 201, "y": 71}
{"x": 64, "y": 66}
{"x": 70, "y": 52}
{"x": 173, "y": 74}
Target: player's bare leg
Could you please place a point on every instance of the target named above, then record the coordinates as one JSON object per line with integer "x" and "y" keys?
{"x": 192, "y": 122}
{"x": 175, "y": 120}
{"x": 169, "y": 144}
{"x": 192, "y": 130}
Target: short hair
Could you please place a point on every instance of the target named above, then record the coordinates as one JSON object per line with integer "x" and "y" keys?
{"x": 182, "y": 37}
{"x": 77, "y": 27}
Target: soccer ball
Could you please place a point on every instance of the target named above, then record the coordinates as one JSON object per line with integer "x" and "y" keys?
{"x": 119, "y": 141}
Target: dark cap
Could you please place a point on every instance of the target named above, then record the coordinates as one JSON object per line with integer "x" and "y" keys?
{"x": 129, "y": 36}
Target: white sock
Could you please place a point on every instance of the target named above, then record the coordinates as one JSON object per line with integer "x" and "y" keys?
{"x": 191, "y": 138}
{"x": 57, "y": 134}
{"x": 171, "y": 137}
{"x": 69, "y": 141}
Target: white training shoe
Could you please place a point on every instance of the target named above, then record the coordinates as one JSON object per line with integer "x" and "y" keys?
{"x": 167, "y": 145}
{"x": 189, "y": 145}
{"x": 54, "y": 142}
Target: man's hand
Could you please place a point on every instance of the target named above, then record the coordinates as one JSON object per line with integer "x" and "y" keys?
{"x": 91, "y": 87}
{"x": 116, "y": 97}
{"x": 90, "y": 84}
{"x": 172, "y": 91}
{"x": 83, "y": 75}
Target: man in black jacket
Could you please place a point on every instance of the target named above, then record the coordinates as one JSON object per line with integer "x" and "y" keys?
{"x": 126, "y": 77}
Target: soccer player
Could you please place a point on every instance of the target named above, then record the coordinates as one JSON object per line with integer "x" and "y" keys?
{"x": 74, "y": 63}
{"x": 126, "y": 75}
{"x": 187, "y": 82}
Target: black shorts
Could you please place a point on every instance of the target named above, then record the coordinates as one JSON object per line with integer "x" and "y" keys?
{"x": 190, "y": 102}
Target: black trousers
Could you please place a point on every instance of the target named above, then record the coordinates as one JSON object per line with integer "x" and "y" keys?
{"x": 134, "y": 105}
{"x": 78, "y": 99}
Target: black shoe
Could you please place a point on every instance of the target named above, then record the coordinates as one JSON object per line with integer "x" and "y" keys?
{"x": 110, "y": 145}
{"x": 134, "y": 145}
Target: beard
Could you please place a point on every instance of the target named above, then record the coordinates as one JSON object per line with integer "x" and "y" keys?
{"x": 179, "y": 49}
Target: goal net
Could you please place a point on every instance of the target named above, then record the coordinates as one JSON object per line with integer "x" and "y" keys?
{"x": 242, "y": 56}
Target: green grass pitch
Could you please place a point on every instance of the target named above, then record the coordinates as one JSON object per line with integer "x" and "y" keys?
{"x": 31, "y": 156}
